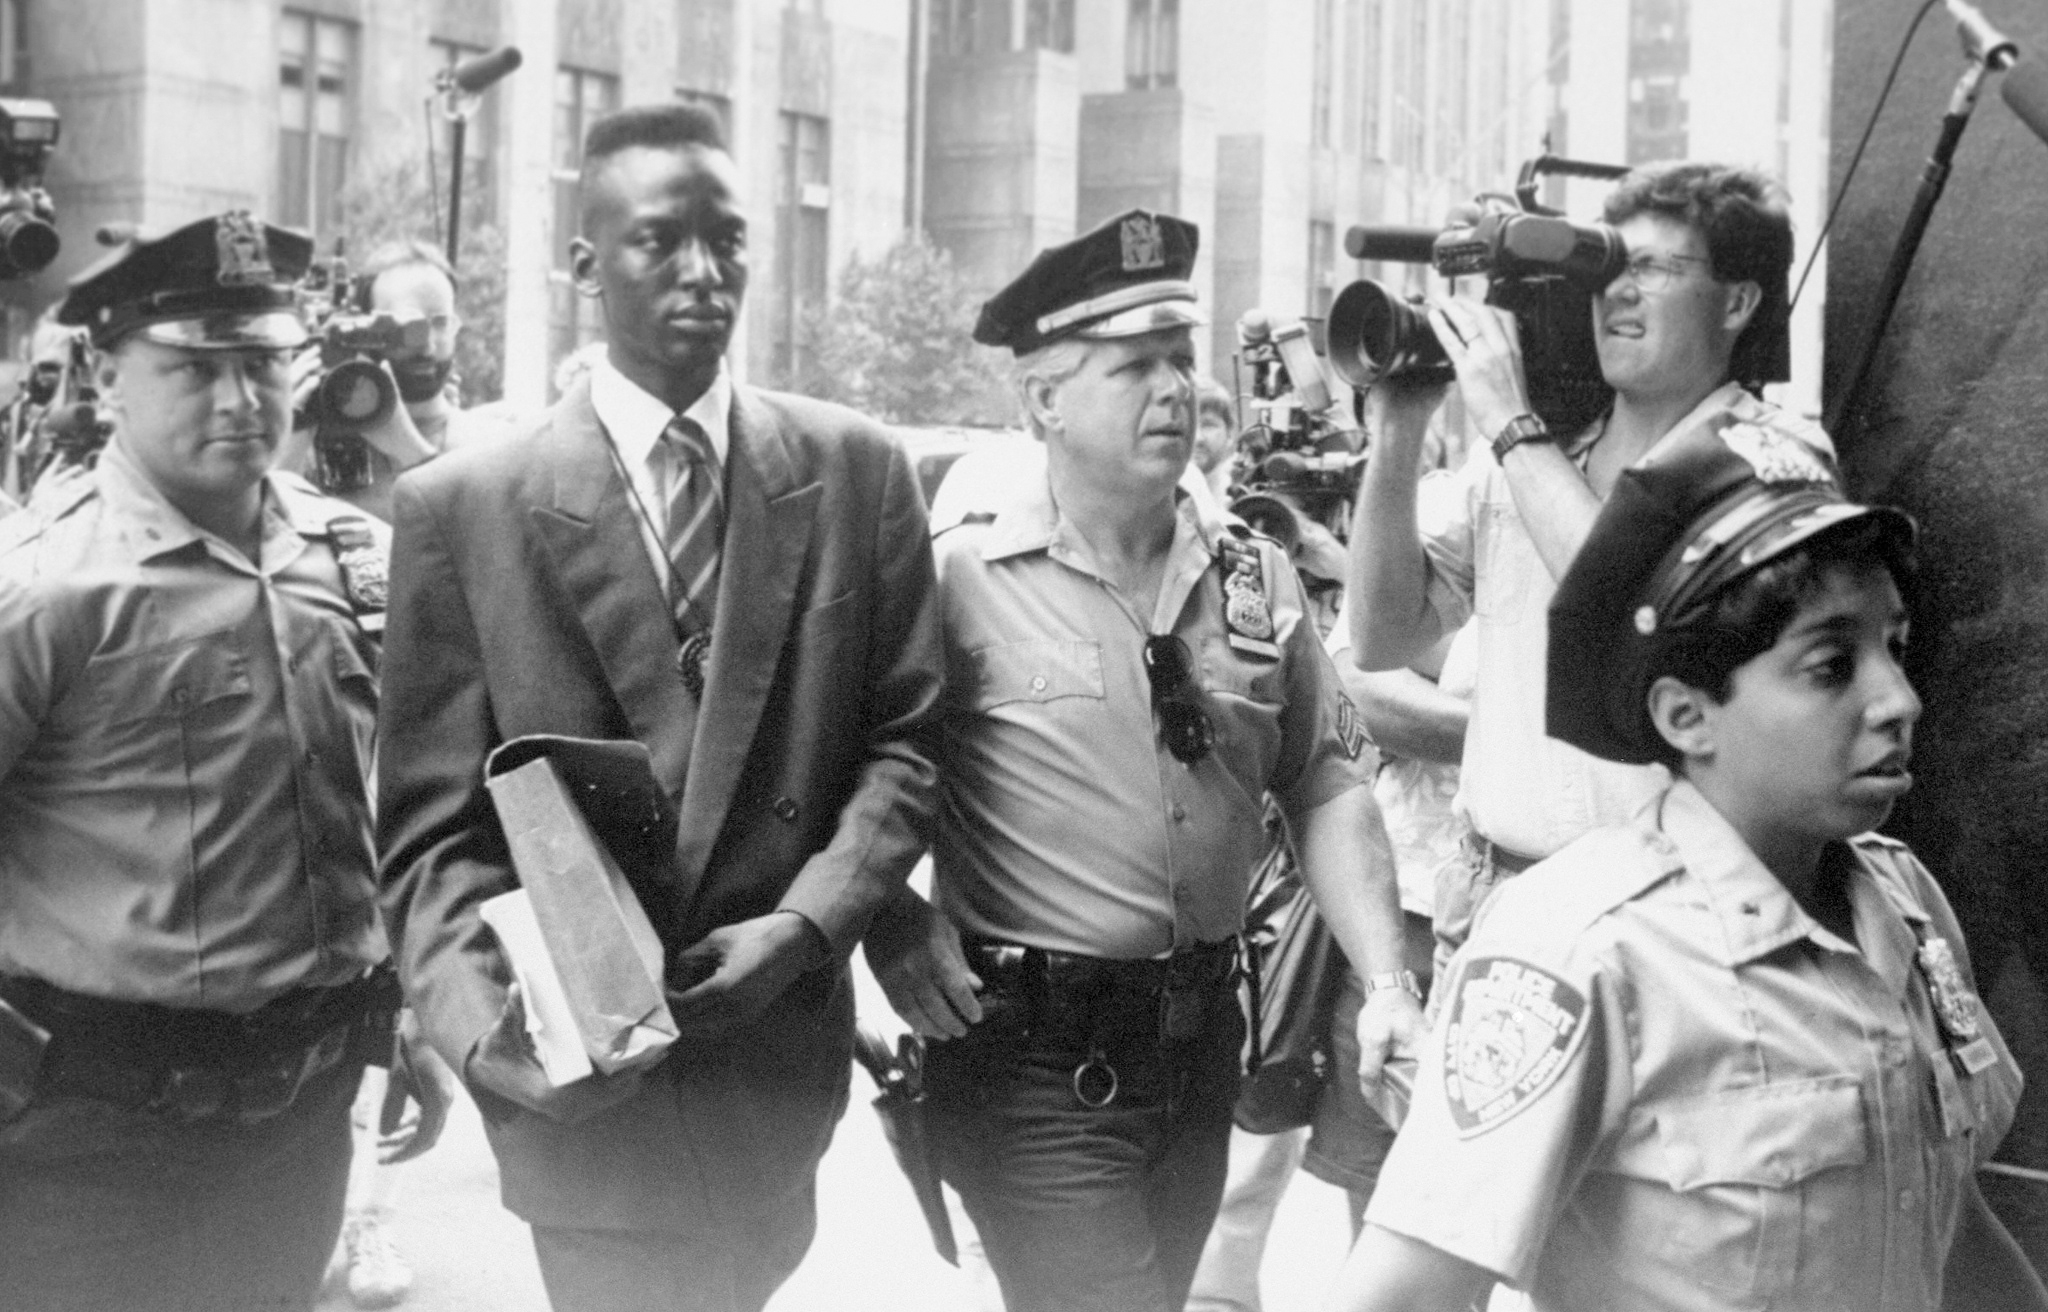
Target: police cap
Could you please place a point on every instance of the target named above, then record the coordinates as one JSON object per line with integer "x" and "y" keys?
{"x": 222, "y": 283}
{"x": 1702, "y": 512}
{"x": 1127, "y": 277}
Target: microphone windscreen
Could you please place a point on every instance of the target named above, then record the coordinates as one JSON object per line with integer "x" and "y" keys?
{"x": 2025, "y": 89}
{"x": 1402, "y": 245}
{"x": 479, "y": 71}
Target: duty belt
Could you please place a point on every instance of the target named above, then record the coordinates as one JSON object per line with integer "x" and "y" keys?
{"x": 189, "y": 1064}
{"x": 1095, "y": 1005}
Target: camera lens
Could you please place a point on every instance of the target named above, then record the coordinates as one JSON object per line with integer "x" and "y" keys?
{"x": 27, "y": 245}
{"x": 1375, "y": 335}
{"x": 356, "y": 394}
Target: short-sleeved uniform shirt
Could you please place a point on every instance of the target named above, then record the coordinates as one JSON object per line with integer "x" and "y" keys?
{"x": 185, "y": 740}
{"x": 1520, "y": 787}
{"x": 1658, "y": 1084}
{"x": 1065, "y": 822}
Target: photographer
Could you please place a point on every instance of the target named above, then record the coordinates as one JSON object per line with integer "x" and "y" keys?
{"x": 1698, "y": 313}
{"x": 412, "y": 282}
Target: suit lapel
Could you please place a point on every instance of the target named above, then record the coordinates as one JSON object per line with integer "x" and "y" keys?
{"x": 592, "y": 536}
{"x": 767, "y": 534}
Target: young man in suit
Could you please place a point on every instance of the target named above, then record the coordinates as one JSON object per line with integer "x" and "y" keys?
{"x": 741, "y": 581}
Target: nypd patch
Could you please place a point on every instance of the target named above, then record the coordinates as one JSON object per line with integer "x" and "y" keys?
{"x": 1776, "y": 457}
{"x": 1512, "y": 1028}
{"x": 1350, "y": 727}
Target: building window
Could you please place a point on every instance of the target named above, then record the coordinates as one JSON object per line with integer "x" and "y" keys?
{"x": 479, "y": 141}
{"x": 982, "y": 27}
{"x": 803, "y": 212}
{"x": 1322, "y": 268}
{"x": 1659, "y": 56}
{"x": 316, "y": 75}
{"x": 1323, "y": 51}
{"x": 1049, "y": 25}
{"x": 13, "y": 45}
{"x": 1152, "y": 45}
{"x": 717, "y": 104}
{"x": 580, "y": 97}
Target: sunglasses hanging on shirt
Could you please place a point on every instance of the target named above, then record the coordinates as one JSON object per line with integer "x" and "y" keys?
{"x": 1185, "y": 726}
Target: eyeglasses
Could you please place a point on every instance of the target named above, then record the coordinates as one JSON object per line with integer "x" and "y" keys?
{"x": 1185, "y": 726}
{"x": 1655, "y": 273}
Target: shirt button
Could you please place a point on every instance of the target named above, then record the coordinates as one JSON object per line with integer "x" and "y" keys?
{"x": 1180, "y": 814}
{"x": 787, "y": 809}
{"x": 1905, "y": 1200}
{"x": 1038, "y": 683}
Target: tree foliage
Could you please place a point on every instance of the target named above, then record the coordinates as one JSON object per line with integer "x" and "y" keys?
{"x": 398, "y": 202}
{"x": 896, "y": 344}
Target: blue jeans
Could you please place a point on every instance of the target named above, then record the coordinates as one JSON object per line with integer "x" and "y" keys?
{"x": 1083, "y": 1207}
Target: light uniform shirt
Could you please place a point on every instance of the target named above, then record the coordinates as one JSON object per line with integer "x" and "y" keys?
{"x": 1659, "y": 1085}
{"x": 1066, "y": 824}
{"x": 1521, "y": 788}
{"x": 185, "y": 738}
{"x": 634, "y": 419}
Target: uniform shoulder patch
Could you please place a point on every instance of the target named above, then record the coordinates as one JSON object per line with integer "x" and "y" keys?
{"x": 1512, "y": 1028}
{"x": 1351, "y": 727}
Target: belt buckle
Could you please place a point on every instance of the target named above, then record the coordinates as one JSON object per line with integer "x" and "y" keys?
{"x": 1095, "y": 1081}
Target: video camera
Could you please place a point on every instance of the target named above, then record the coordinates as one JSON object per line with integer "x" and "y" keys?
{"x": 1540, "y": 267}
{"x": 28, "y": 218}
{"x": 1298, "y": 453}
{"x": 54, "y": 421}
{"x": 354, "y": 391}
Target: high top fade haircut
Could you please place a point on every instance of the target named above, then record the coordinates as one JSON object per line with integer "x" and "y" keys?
{"x": 1744, "y": 218}
{"x": 672, "y": 126}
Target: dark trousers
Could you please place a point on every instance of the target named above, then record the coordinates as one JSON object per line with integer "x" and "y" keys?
{"x": 1089, "y": 1207}
{"x": 107, "y": 1209}
{"x": 736, "y": 1270}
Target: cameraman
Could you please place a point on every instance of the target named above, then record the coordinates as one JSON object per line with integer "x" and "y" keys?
{"x": 409, "y": 280}
{"x": 1698, "y": 314}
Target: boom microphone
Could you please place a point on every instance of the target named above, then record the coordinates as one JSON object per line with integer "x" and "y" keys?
{"x": 477, "y": 72}
{"x": 1402, "y": 245}
{"x": 2025, "y": 90}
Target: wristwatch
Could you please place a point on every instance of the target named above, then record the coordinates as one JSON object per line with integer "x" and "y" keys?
{"x": 1394, "y": 979}
{"x": 1522, "y": 428}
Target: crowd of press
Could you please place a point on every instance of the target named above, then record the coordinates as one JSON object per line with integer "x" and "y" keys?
{"x": 1447, "y": 761}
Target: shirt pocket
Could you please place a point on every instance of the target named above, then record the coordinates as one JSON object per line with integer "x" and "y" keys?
{"x": 166, "y": 683}
{"x": 1507, "y": 564}
{"x": 1043, "y": 670}
{"x": 1748, "y": 1177}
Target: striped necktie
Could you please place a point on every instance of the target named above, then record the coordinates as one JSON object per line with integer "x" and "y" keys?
{"x": 696, "y": 523}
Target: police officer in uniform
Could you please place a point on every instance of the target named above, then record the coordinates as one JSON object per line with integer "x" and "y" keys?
{"x": 191, "y": 973}
{"x": 1130, "y": 675}
{"x": 1729, "y": 1055}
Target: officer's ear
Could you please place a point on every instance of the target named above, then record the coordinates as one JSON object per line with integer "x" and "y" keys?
{"x": 1041, "y": 405}
{"x": 1743, "y": 300}
{"x": 1683, "y": 717}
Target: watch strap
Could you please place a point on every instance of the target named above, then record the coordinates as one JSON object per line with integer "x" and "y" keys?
{"x": 1524, "y": 427}
{"x": 1394, "y": 979}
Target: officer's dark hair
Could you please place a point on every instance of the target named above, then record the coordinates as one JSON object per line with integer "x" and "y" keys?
{"x": 1746, "y": 619}
{"x": 400, "y": 253}
{"x": 1745, "y": 219}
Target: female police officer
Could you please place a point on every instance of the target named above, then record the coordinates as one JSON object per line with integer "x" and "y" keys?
{"x": 1729, "y": 1056}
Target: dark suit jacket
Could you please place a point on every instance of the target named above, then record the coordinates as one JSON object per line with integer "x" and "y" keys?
{"x": 523, "y": 601}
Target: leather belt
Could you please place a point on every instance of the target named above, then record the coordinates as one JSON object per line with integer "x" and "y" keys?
{"x": 191, "y": 1064}
{"x": 1116, "y": 1015}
